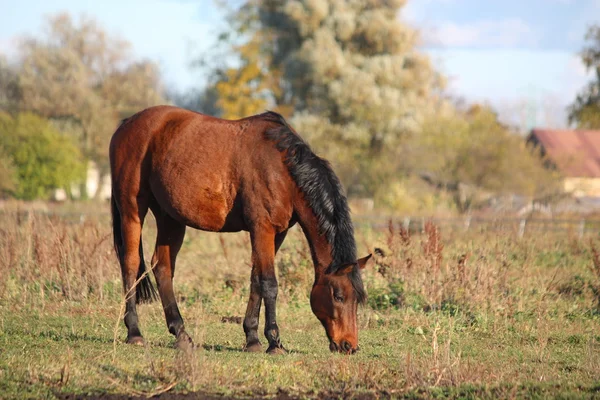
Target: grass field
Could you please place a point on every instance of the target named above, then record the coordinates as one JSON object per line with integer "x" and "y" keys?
{"x": 450, "y": 314}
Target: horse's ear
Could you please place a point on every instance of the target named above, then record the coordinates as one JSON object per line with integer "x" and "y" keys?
{"x": 348, "y": 267}
{"x": 362, "y": 263}
{"x": 345, "y": 269}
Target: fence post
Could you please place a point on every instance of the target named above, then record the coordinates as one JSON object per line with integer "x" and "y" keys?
{"x": 406, "y": 223}
{"x": 467, "y": 223}
{"x": 581, "y": 228}
{"x": 522, "y": 227}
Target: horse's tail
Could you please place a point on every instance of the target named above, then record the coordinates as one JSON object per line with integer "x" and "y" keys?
{"x": 145, "y": 291}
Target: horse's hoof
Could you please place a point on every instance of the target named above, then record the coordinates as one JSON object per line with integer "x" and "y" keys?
{"x": 136, "y": 340}
{"x": 184, "y": 342}
{"x": 275, "y": 350}
{"x": 255, "y": 347}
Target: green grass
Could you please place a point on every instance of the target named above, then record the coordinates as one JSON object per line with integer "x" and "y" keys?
{"x": 517, "y": 319}
{"x": 69, "y": 349}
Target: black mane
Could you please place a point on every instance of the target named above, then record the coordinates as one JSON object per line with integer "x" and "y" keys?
{"x": 324, "y": 193}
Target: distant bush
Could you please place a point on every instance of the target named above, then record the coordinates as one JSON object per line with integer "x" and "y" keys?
{"x": 391, "y": 296}
{"x": 8, "y": 173}
{"x": 38, "y": 157}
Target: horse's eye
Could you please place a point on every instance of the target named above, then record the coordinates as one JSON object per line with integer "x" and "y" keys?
{"x": 338, "y": 298}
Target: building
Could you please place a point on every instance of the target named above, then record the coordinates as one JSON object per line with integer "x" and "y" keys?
{"x": 91, "y": 185}
{"x": 576, "y": 154}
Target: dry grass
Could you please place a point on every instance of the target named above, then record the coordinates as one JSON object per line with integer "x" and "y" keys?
{"x": 49, "y": 259}
{"x": 449, "y": 314}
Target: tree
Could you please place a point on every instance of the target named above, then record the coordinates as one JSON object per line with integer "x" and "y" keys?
{"x": 237, "y": 66}
{"x": 352, "y": 73}
{"x": 241, "y": 90}
{"x": 200, "y": 100}
{"x": 466, "y": 152}
{"x": 40, "y": 158}
{"x": 8, "y": 174}
{"x": 82, "y": 77}
{"x": 9, "y": 86}
{"x": 585, "y": 111}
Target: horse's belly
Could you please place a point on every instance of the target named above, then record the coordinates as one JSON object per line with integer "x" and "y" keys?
{"x": 205, "y": 206}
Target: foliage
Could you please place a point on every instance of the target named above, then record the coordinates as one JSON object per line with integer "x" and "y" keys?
{"x": 237, "y": 65}
{"x": 414, "y": 196}
{"x": 241, "y": 89}
{"x": 43, "y": 159}
{"x": 585, "y": 111}
{"x": 355, "y": 65}
{"x": 391, "y": 296}
{"x": 351, "y": 62}
{"x": 9, "y": 86}
{"x": 203, "y": 101}
{"x": 348, "y": 71}
{"x": 78, "y": 73}
{"x": 471, "y": 151}
{"x": 8, "y": 174}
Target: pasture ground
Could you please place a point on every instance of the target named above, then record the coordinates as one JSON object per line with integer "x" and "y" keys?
{"x": 449, "y": 315}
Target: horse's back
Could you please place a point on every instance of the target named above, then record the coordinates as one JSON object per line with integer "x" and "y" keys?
{"x": 200, "y": 169}
{"x": 165, "y": 132}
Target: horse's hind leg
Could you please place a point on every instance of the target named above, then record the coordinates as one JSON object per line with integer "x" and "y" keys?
{"x": 168, "y": 243}
{"x": 132, "y": 216}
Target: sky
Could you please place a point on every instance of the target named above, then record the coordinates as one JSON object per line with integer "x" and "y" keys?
{"x": 520, "y": 56}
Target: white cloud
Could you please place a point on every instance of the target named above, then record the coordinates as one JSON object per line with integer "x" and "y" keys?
{"x": 512, "y": 32}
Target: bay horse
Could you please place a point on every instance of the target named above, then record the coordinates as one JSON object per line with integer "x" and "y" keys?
{"x": 255, "y": 174}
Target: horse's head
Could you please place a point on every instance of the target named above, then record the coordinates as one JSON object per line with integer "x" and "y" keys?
{"x": 334, "y": 300}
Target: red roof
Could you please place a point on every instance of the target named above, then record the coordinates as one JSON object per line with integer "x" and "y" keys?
{"x": 575, "y": 152}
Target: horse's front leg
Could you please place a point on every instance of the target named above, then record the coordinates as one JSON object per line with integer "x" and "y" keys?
{"x": 263, "y": 261}
{"x": 252, "y": 314}
{"x": 268, "y": 287}
{"x": 253, "y": 310}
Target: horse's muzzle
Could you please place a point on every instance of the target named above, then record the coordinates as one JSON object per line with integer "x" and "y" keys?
{"x": 344, "y": 347}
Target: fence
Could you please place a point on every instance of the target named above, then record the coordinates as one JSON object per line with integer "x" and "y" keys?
{"x": 517, "y": 226}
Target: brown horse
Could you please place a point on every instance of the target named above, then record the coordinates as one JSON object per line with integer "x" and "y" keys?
{"x": 254, "y": 174}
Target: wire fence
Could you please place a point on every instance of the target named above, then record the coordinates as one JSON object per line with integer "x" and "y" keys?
{"x": 517, "y": 226}
{"x": 415, "y": 224}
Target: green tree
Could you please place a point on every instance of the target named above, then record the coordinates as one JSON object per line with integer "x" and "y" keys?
{"x": 8, "y": 174}
{"x": 471, "y": 153}
{"x": 585, "y": 111}
{"x": 79, "y": 75}
{"x": 40, "y": 159}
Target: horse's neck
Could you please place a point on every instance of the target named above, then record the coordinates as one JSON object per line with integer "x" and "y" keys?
{"x": 320, "y": 248}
